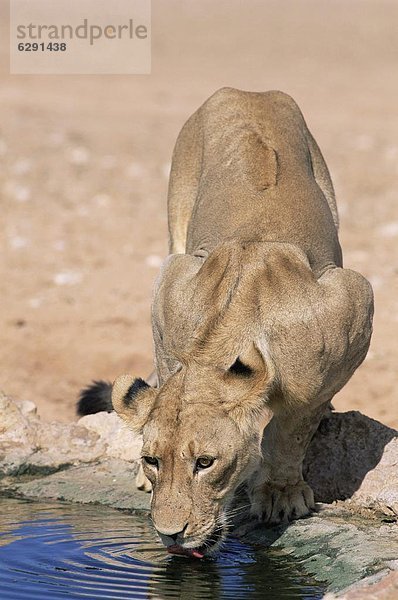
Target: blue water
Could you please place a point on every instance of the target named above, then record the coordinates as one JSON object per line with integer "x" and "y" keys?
{"x": 58, "y": 551}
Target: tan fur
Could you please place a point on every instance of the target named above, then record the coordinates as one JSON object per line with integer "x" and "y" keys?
{"x": 255, "y": 272}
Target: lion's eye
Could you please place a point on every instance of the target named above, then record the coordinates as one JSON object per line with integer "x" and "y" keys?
{"x": 151, "y": 460}
{"x": 204, "y": 462}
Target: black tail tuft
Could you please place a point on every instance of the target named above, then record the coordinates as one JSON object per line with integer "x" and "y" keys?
{"x": 95, "y": 398}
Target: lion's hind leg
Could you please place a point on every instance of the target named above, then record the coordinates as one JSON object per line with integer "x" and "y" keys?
{"x": 184, "y": 182}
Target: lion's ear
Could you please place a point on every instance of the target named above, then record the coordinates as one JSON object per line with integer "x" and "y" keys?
{"x": 250, "y": 362}
{"x": 132, "y": 399}
{"x": 249, "y": 379}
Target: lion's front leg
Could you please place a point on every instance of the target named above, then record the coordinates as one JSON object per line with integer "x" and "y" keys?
{"x": 277, "y": 490}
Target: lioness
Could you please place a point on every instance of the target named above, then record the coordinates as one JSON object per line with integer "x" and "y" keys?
{"x": 253, "y": 315}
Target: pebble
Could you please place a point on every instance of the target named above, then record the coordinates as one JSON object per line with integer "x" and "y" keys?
{"x": 391, "y": 153}
{"x": 388, "y": 230}
{"x": 59, "y": 245}
{"x": 68, "y": 278}
{"x": 22, "y": 166}
{"x": 20, "y": 193}
{"x": 35, "y": 302}
{"x": 364, "y": 142}
{"x": 56, "y": 138}
{"x": 135, "y": 170}
{"x": 17, "y": 242}
{"x": 102, "y": 199}
{"x": 153, "y": 260}
{"x": 79, "y": 156}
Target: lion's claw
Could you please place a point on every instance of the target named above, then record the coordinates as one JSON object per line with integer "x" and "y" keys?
{"x": 276, "y": 504}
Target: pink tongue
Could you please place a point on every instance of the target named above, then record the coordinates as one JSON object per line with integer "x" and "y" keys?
{"x": 175, "y": 549}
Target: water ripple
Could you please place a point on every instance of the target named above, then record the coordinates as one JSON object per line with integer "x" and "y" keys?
{"x": 57, "y": 551}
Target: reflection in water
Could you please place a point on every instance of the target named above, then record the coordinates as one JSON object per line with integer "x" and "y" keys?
{"x": 53, "y": 551}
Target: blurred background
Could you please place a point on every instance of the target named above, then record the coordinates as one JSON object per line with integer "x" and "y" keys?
{"x": 84, "y": 164}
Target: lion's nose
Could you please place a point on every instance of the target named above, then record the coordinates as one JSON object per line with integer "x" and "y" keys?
{"x": 172, "y": 533}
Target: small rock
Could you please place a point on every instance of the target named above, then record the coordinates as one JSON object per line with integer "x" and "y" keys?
{"x": 66, "y": 444}
{"x": 364, "y": 142}
{"x": 154, "y": 261}
{"x": 18, "y": 436}
{"x": 26, "y": 407}
{"x": 56, "y": 138}
{"x": 59, "y": 245}
{"x": 22, "y": 166}
{"x": 68, "y": 278}
{"x": 20, "y": 193}
{"x": 17, "y": 242}
{"x": 79, "y": 156}
{"x": 391, "y": 153}
{"x": 102, "y": 200}
{"x": 15, "y": 426}
{"x": 28, "y": 446}
{"x": 135, "y": 170}
{"x": 120, "y": 441}
{"x": 388, "y": 230}
{"x": 379, "y": 488}
{"x": 35, "y": 302}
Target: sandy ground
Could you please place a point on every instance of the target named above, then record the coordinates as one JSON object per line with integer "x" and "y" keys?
{"x": 84, "y": 164}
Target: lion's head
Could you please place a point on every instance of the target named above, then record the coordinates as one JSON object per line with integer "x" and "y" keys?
{"x": 201, "y": 439}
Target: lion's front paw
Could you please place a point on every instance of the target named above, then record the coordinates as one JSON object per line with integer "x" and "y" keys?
{"x": 142, "y": 482}
{"x": 275, "y": 504}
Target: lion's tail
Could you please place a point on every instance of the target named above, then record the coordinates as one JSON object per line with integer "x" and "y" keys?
{"x": 95, "y": 398}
